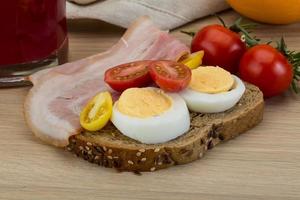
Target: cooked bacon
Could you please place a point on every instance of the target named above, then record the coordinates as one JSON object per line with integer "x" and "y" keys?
{"x": 53, "y": 105}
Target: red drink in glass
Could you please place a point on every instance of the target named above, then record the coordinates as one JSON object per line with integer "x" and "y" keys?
{"x": 33, "y": 36}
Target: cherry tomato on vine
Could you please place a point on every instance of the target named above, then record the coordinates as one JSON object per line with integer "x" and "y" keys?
{"x": 267, "y": 68}
{"x": 222, "y": 47}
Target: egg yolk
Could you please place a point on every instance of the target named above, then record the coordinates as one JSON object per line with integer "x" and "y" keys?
{"x": 143, "y": 102}
{"x": 211, "y": 80}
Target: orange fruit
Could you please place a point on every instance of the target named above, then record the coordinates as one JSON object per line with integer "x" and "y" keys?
{"x": 268, "y": 11}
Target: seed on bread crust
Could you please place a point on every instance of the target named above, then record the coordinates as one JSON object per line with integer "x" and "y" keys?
{"x": 143, "y": 159}
{"x": 130, "y": 162}
{"x": 142, "y": 150}
{"x": 152, "y": 169}
{"x": 109, "y": 151}
{"x": 110, "y": 157}
{"x": 138, "y": 154}
{"x": 156, "y": 150}
{"x": 104, "y": 148}
{"x": 89, "y": 144}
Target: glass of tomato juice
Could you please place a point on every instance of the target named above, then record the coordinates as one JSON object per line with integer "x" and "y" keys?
{"x": 33, "y": 36}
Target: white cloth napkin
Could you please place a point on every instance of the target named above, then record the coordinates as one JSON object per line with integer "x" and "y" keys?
{"x": 168, "y": 14}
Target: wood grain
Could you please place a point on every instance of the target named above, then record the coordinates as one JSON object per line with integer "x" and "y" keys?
{"x": 264, "y": 163}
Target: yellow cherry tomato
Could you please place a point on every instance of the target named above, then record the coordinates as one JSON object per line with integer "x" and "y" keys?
{"x": 97, "y": 112}
{"x": 194, "y": 60}
{"x": 268, "y": 11}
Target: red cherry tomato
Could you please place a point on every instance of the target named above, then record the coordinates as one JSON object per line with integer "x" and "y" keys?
{"x": 222, "y": 47}
{"x": 134, "y": 74}
{"x": 267, "y": 68}
{"x": 170, "y": 76}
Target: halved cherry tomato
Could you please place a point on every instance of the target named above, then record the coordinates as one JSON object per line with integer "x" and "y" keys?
{"x": 194, "y": 60}
{"x": 170, "y": 76}
{"x": 134, "y": 74}
{"x": 97, "y": 112}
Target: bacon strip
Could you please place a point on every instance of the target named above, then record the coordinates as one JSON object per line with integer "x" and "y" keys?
{"x": 53, "y": 105}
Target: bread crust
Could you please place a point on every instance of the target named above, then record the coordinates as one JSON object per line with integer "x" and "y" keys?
{"x": 207, "y": 130}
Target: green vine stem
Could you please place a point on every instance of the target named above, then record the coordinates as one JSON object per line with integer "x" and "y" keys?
{"x": 244, "y": 29}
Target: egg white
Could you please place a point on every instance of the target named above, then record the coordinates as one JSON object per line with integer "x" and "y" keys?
{"x": 213, "y": 103}
{"x": 157, "y": 129}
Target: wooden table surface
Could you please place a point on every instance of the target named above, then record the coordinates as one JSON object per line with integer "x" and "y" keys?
{"x": 264, "y": 163}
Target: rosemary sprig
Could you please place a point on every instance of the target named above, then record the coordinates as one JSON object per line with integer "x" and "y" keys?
{"x": 220, "y": 19}
{"x": 190, "y": 33}
{"x": 294, "y": 59}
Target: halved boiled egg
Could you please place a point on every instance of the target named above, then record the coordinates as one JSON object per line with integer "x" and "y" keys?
{"x": 212, "y": 90}
{"x": 150, "y": 115}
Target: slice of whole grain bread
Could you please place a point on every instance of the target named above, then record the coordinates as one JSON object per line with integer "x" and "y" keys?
{"x": 109, "y": 148}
